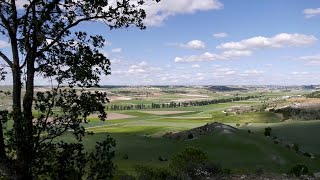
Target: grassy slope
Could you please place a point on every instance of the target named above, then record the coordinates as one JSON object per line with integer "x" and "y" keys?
{"x": 241, "y": 151}
{"x": 140, "y": 138}
{"x": 304, "y": 133}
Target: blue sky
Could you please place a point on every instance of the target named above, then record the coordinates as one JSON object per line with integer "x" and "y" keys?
{"x": 217, "y": 42}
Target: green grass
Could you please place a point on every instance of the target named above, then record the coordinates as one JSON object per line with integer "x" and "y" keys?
{"x": 241, "y": 151}
{"x": 304, "y": 133}
{"x": 141, "y": 139}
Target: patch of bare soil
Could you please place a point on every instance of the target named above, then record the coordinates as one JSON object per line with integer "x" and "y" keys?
{"x": 119, "y": 98}
{"x": 165, "y": 112}
{"x": 304, "y": 100}
{"x": 202, "y": 130}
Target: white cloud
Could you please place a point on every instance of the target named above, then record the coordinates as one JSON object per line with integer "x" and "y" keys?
{"x": 143, "y": 63}
{"x": 246, "y": 47}
{"x": 116, "y": 50}
{"x": 207, "y": 56}
{"x": 278, "y": 41}
{"x": 115, "y": 61}
{"x": 309, "y": 13}
{"x": 311, "y": 60}
{"x": 157, "y": 13}
{"x": 4, "y": 44}
{"x": 195, "y": 66}
{"x": 107, "y": 43}
{"x": 198, "y": 58}
{"x": 253, "y": 72}
{"x": 230, "y": 72}
{"x": 300, "y": 73}
{"x": 235, "y": 53}
{"x": 194, "y": 44}
{"x": 220, "y": 35}
{"x": 142, "y": 70}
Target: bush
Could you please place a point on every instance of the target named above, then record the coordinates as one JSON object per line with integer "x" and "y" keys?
{"x": 193, "y": 163}
{"x": 296, "y": 147}
{"x": 189, "y": 155}
{"x": 190, "y": 136}
{"x": 307, "y": 154}
{"x": 267, "y": 131}
{"x": 160, "y": 158}
{"x": 147, "y": 173}
{"x": 125, "y": 156}
{"x": 299, "y": 170}
{"x": 249, "y": 131}
{"x": 122, "y": 175}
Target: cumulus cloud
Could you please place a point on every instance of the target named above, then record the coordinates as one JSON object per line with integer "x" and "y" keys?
{"x": 195, "y": 66}
{"x": 4, "y": 44}
{"x": 157, "y": 13}
{"x": 116, "y": 50}
{"x": 198, "y": 58}
{"x": 207, "y": 56}
{"x": 194, "y": 44}
{"x": 142, "y": 69}
{"x": 279, "y": 41}
{"x": 220, "y": 35}
{"x": 309, "y": 13}
{"x": 244, "y": 48}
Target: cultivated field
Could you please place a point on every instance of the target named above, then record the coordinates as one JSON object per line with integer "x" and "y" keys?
{"x": 138, "y": 117}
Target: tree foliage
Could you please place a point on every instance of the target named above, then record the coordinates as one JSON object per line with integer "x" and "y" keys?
{"x": 44, "y": 42}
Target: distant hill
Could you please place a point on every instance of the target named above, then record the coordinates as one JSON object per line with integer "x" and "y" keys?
{"x": 225, "y": 88}
{"x": 309, "y": 87}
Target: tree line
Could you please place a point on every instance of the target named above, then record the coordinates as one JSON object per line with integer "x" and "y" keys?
{"x": 176, "y": 104}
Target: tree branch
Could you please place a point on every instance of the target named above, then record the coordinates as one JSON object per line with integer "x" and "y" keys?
{"x": 6, "y": 59}
{"x": 67, "y": 28}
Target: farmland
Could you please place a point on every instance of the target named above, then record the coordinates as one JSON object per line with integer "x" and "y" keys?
{"x": 155, "y": 111}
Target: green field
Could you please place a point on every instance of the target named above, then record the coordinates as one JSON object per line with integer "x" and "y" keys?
{"x": 140, "y": 137}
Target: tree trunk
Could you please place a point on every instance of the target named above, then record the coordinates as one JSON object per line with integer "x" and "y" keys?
{"x": 22, "y": 169}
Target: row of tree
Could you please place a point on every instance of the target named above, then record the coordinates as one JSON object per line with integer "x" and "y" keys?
{"x": 176, "y": 104}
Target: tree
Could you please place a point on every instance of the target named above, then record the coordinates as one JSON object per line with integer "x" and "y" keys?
{"x": 267, "y": 131}
{"x": 44, "y": 42}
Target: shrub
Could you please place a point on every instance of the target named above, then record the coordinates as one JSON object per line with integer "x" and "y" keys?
{"x": 160, "y": 158}
{"x": 307, "y": 154}
{"x": 267, "y": 131}
{"x": 249, "y": 131}
{"x": 296, "y": 147}
{"x": 237, "y": 125}
{"x": 189, "y": 155}
{"x": 193, "y": 163}
{"x": 125, "y": 156}
{"x": 259, "y": 171}
{"x": 190, "y": 136}
{"x": 299, "y": 170}
{"x": 147, "y": 173}
{"x": 122, "y": 175}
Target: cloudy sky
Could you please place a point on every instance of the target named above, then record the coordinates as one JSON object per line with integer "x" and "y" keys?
{"x": 216, "y": 42}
